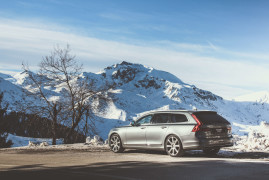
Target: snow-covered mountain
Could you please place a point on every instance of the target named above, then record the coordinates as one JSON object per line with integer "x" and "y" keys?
{"x": 13, "y": 94}
{"x": 137, "y": 88}
{"x": 260, "y": 97}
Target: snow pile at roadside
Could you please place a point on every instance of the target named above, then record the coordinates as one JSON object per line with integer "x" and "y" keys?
{"x": 96, "y": 140}
{"x": 42, "y": 144}
{"x": 256, "y": 140}
{"x": 46, "y": 144}
{"x": 19, "y": 141}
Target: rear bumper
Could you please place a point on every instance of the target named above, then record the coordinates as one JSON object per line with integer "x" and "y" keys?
{"x": 216, "y": 142}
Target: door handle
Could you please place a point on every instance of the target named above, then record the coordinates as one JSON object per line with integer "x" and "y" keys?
{"x": 143, "y": 127}
{"x": 163, "y": 127}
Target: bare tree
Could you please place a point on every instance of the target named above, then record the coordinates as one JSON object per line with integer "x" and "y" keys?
{"x": 60, "y": 69}
{"x": 49, "y": 109}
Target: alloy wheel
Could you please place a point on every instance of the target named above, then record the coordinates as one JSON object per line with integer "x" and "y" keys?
{"x": 115, "y": 144}
{"x": 173, "y": 146}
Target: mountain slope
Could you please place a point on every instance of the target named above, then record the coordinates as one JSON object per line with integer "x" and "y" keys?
{"x": 136, "y": 88}
{"x": 13, "y": 94}
{"x": 16, "y": 91}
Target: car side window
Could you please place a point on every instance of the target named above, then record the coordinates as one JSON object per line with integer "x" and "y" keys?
{"x": 176, "y": 118}
{"x": 160, "y": 118}
{"x": 145, "y": 120}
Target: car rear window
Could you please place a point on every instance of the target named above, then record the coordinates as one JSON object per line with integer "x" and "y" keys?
{"x": 210, "y": 118}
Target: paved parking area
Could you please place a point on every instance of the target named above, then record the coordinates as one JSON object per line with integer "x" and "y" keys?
{"x": 103, "y": 164}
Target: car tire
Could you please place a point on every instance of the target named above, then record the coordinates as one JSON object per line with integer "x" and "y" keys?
{"x": 115, "y": 144}
{"x": 211, "y": 151}
{"x": 173, "y": 146}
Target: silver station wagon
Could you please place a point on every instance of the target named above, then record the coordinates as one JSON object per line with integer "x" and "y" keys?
{"x": 174, "y": 132}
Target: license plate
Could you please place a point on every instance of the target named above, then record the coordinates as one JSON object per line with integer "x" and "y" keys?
{"x": 218, "y": 130}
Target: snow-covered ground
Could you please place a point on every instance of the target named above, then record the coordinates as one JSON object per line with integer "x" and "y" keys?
{"x": 19, "y": 141}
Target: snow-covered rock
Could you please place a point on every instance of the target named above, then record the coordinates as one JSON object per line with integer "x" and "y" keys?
{"x": 32, "y": 144}
{"x": 96, "y": 140}
{"x": 36, "y": 144}
{"x": 88, "y": 140}
{"x": 43, "y": 144}
{"x": 106, "y": 141}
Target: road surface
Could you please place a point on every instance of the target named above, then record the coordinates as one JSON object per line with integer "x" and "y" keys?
{"x": 103, "y": 164}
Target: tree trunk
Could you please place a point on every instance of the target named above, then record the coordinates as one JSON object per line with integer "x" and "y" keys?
{"x": 70, "y": 134}
{"x": 54, "y": 140}
{"x": 54, "y": 124}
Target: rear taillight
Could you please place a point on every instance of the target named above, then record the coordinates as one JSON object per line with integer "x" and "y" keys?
{"x": 197, "y": 126}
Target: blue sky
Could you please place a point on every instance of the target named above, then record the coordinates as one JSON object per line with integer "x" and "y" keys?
{"x": 221, "y": 46}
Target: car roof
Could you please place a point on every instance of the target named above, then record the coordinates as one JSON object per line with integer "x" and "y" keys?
{"x": 171, "y": 111}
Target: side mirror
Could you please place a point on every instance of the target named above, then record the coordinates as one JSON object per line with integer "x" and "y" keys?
{"x": 133, "y": 123}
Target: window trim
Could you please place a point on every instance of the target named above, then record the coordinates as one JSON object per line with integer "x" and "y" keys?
{"x": 178, "y": 122}
{"x": 160, "y": 114}
{"x": 168, "y": 123}
{"x": 137, "y": 122}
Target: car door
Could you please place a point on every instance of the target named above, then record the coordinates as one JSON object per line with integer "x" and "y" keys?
{"x": 156, "y": 131}
{"x": 136, "y": 134}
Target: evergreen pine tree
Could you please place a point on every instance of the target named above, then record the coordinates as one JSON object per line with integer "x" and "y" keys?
{"x": 3, "y": 130}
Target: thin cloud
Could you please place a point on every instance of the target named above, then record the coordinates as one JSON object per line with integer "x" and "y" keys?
{"x": 212, "y": 46}
{"x": 30, "y": 43}
{"x": 112, "y": 16}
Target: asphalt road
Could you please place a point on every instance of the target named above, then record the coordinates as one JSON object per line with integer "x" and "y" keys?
{"x": 26, "y": 164}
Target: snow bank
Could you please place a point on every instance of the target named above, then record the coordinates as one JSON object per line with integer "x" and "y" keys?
{"x": 26, "y": 143}
{"x": 19, "y": 141}
{"x": 256, "y": 140}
